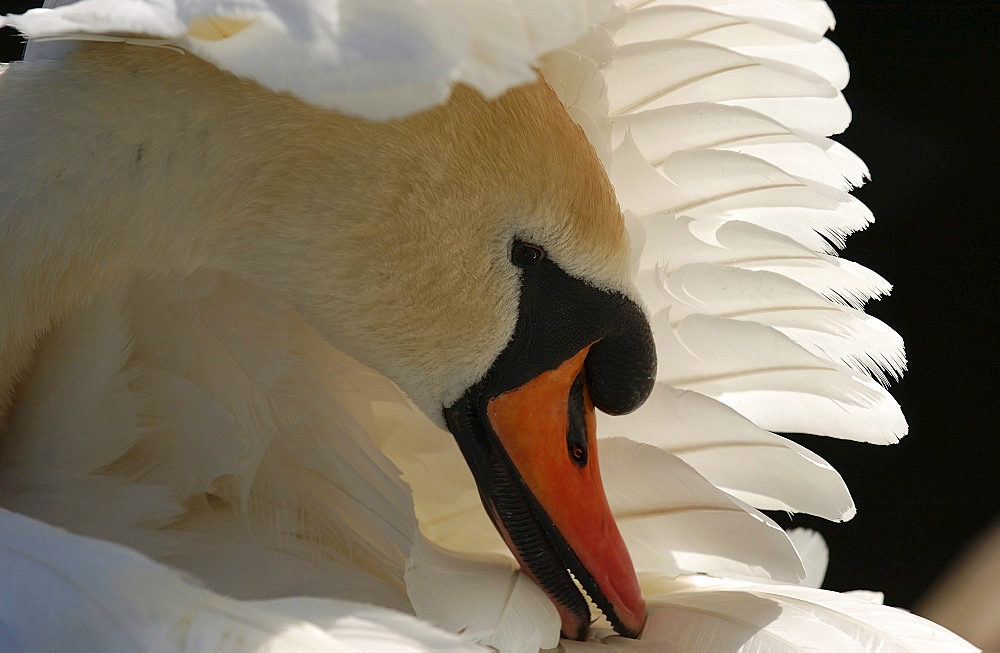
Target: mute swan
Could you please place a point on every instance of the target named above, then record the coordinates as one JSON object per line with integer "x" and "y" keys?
{"x": 191, "y": 257}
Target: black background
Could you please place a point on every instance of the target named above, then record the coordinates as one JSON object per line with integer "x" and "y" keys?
{"x": 925, "y": 85}
{"x": 925, "y": 91}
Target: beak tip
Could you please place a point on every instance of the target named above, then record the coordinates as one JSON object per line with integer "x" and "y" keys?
{"x": 633, "y": 624}
{"x": 629, "y": 610}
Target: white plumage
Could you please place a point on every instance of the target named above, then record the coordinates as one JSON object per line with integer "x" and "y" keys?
{"x": 200, "y": 422}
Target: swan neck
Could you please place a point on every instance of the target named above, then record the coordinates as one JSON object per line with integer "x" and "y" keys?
{"x": 95, "y": 188}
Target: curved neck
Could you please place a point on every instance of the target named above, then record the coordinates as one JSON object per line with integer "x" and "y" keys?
{"x": 109, "y": 169}
{"x": 125, "y": 160}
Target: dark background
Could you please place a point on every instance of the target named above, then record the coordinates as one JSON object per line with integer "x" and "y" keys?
{"x": 925, "y": 91}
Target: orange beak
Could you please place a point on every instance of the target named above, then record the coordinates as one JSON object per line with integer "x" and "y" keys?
{"x": 528, "y": 433}
{"x": 547, "y": 428}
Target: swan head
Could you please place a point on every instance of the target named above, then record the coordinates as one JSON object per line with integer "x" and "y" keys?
{"x": 476, "y": 255}
{"x": 534, "y": 294}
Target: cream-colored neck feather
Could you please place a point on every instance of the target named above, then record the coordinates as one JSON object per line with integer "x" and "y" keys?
{"x": 391, "y": 238}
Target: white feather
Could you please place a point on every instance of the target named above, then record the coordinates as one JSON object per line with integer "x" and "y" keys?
{"x": 777, "y": 384}
{"x": 66, "y": 592}
{"x": 703, "y": 615}
{"x": 764, "y": 39}
{"x": 813, "y": 552}
{"x": 653, "y": 74}
{"x": 829, "y": 331}
{"x": 811, "y": 15}
{"x": 674, "y": 521}
{"x": 76, "y": 416}
{"x": 873, "y": 626}
{"x": 380, "y": 60}
{"x": 733, "y": 186}
{"x": 758, "y": 467}
{"x": 733, "y": 620}
{"x": 868, "y": 595}
{"x": 248, "y": 436}
{"x": 486, "y": 599}
{"x": 702, "y": 125}
{"x": 757, "y": 191}
{"x": 673, "y": 243}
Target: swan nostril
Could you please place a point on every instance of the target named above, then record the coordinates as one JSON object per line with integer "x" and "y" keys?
{"x": 577, "y": 442}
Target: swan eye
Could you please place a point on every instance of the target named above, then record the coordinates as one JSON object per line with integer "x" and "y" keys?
{"x": 526, "y": 255}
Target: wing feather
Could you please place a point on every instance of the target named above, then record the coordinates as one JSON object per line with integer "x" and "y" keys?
{"x": 194, "y": 418}
{"x": 376, "y": 60}
{"x": 674, "y": 521}
{"x": 67, "y": 592}
{"x": 754, "y": 465}
{"x": 736, "y": 201}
